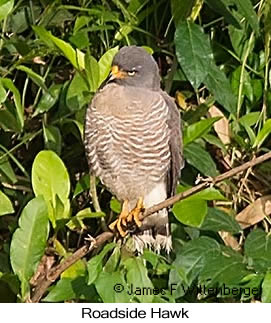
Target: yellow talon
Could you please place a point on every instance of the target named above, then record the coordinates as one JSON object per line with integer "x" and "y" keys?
{"x": 134, "y": 214}
{"x": 126, "y": 216}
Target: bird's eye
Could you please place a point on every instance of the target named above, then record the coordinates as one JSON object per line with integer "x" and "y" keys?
{"x": 131, "y": 73}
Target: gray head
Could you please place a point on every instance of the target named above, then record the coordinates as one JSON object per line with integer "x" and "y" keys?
{"x": 133, "y": 66}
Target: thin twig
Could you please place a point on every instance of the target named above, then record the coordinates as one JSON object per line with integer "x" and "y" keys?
{"x": 55, "y": 272}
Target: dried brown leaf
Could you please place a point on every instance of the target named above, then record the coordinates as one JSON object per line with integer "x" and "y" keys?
{"x": 255, "y": 212}
{"x": 221, "y": 126}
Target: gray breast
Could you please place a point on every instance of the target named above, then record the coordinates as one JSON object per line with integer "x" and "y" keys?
{"x": 127, "y": 140}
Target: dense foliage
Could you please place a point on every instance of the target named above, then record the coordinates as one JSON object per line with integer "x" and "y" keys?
{"x": 214, "y": 57}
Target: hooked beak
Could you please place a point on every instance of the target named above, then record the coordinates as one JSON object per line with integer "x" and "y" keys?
{"x": 116, "y": 73}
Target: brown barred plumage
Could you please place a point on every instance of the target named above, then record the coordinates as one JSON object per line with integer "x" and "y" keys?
{"x": 129, "y": 144}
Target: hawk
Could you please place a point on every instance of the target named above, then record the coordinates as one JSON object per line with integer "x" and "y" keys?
{"x": 133, "y": 144}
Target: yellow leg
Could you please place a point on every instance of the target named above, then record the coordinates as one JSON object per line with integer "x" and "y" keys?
{"x": 134, "y": 214}
{"x": 126, "y": 216}
{"x": 121, "y": 219}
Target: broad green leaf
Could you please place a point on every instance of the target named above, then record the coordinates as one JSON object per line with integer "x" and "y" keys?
{"x": 95, "y": 264}
{"x": 208, "y": 194}
{"x": 223, "y": 267}
{"x": 137, "y": 276}
{"x": 107, "y": 283}
{"x": 7, "y": 173}
{"x": 190, "y": 211}
{"x": 78, "y": 93}
{"x": 8, "y": 84}
{"x": 181, "y": 9}
{"x": 198, "y": 129}
{"x": 218, "y": 84}
{"x": 258, "y": 248}
{"x": 247, "y": 87}
{"x": 262, "y": 135}
{"x": 48, "y": 99}
{"x": 113, "y": 261}
{"x": 50, "y": 176}
{"x": 249, "y": 119}
{"x": 71, "y": 288}
{"x": 105, "y": 63}
{"x": 43, "y": 35}
{"x": 246, "y": 9}
{"x": 193, "y": 52}
{"x": 36, "y": 78}
{"x": 6, "y": 7}
{"x": 82, "y": 185}
{"x": 76, "y": 57}
{"x": 51, "y": 180}
{"x": 92, "y": 72}
{"x": 76, "y": 221}
{"x": 196, "y": 156}
{"x": 75, "y": 270}
{"x": 5, "y": 204}
{"x": 115, "y": 205}
{"x": 217, "y": 220}
{"x": 3, "y": 93}
{"x": 221, "y": 7}
{"x": 189, "y": 263}
{"x": 29, "y": 241}
{"x": 266, "y": 288}
{"x": 52, "y": 138}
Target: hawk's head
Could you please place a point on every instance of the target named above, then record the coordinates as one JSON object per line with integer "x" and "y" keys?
{"x": 133, "y": 66}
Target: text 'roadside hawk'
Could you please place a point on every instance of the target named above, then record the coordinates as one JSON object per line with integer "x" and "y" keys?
{"x": 133, "y": 144}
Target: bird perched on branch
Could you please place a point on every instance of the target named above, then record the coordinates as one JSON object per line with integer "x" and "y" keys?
{"x": 133, "y": 144}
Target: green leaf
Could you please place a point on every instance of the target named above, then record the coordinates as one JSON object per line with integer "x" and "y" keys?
{"x": 76, "y": 57}
{"x": 92, "y": 72}
{"x": 115, "y": 205}
{"x": 196, "y": 156}
{"x": 52, "y": 138}
{"x": 190, "y": 211}
{"x": 266, "y": 288}
{"x": 48, "y": 99}
{"x": 29, "y": 241}
{"x": 82, "y": 185}
{"x": 36, "y": 78}
{"x": 76, "y": 221}
{"x": 193, "y": 52}
{"x": 3, "y": 93}
{"x": 249, "y": 119}
{"x": 105, "y": 63}
{"x": 78, "y": 93}
{"x": 5, "y": 204}
{"x": 217, "y": 220}
{"x": 246, "y": 9}
{"x": 189, "y": 262}
{"x": 6, "y": 171}
{"x": 71, "y": 288}
{"x": 137, "y": 276}
{"x": 262, "y": 135}
{"x": 181, "y": 9}
{"x": 8, "y": 84}
{"x": 220, "y": 7}
{"x": 218, "y": 84}
{"x": 223, "y": 267}
{"x": 210, "y": 194}
{"x": 95, "y": 264}
{"x": 198, "y": 129}
{"x": 51, "y": 180}
{"x": 258, "y": 248}
{"x": 105, "y": 287}
{"x": 6, "y": 7}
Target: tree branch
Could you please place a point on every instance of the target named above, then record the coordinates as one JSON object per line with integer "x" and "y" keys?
{"x": 56, "y": 271}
